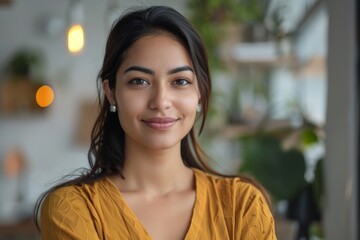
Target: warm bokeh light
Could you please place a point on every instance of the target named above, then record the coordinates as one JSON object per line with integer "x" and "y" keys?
{"x": 44, "y": 96}
{"x": 75, "y": 38}
{"x": 14, "y": 162}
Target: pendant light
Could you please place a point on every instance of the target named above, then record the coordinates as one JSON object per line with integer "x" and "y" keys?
{"x": 75, "y": 33}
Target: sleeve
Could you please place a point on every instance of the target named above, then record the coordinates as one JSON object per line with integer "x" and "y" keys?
{"x": 256, "y": 221}
{"x": 65, "y": 215}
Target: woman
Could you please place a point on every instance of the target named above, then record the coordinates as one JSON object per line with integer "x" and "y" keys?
{"x": 148, "y": 179}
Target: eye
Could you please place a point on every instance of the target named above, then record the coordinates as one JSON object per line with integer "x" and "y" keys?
{"x": 181, "y": 82}
{"x": 138, "y": 81}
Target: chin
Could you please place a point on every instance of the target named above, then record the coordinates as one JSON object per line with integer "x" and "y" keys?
{"x": 162, "y": 145}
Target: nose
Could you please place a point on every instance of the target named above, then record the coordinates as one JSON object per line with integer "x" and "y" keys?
{"x": 160, "y": 98}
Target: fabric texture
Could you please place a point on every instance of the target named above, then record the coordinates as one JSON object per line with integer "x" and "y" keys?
{"x": 224, "y": 209}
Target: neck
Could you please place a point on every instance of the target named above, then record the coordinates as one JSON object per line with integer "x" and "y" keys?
{"x": 155, "y": 171}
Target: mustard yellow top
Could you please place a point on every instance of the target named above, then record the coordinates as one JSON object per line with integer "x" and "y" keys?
{"x": 225, "y": 208}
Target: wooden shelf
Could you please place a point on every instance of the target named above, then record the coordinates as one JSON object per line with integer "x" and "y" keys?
{"x": 234, "y": 130}
{"x": 259, "y": 55}
{"x": 315, "y": 66}
{"x": 18, "y": 97}
{"x": 288, "y": 61}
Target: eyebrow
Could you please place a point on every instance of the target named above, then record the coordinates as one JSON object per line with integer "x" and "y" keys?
{"x": 149, "y": 71}
{"x": 180, "y": 69}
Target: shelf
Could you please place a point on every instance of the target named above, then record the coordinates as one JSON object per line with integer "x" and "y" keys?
{"x": 315, "y": 66}
{"x": 288, "y": 61}
{"x": 261, "y": 54}
{"x": 234, "y": 130}
{"x": 18, "y": 97}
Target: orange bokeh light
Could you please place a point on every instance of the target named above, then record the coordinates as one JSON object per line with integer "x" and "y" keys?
{"x": 44, "y": 96}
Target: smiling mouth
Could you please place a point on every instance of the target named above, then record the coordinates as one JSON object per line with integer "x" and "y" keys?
{"x": 160, "y": 123}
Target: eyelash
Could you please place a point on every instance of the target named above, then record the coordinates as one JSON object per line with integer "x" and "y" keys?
{"x": 177, "y": 82}
{"x": 140, "y": 81}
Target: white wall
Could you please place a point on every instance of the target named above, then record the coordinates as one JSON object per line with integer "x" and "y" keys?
{"x": 47, "y": 139}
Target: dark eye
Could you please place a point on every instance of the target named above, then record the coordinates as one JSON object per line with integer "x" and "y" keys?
{"x": 138, "y": 81}
{"x": 181, "y": 82}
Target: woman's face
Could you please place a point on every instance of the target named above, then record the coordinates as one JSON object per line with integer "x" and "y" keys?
{"x": 156, "y": 93}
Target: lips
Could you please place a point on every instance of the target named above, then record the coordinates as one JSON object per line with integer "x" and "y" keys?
{"x": 160, "y": 123}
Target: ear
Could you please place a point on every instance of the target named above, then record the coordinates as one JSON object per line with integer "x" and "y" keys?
{"x": 109, "y": 93}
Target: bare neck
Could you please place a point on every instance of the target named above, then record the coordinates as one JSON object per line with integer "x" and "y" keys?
{"x": 156, "y": 172}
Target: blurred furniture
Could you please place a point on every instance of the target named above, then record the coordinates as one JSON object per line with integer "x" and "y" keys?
{"x": 285, "y": 229}
{"x": 5, "y": 2}
{"x": 24, "y": 229}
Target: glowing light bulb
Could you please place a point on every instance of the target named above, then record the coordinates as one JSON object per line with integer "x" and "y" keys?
{"x": 44, "y": 96}
{"x": 75, "y": 38}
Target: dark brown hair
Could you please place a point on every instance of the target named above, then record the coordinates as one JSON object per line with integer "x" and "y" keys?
{"x": 106, "y": 153}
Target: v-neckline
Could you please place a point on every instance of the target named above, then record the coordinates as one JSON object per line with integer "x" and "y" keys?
{"x": 197, "y": 210}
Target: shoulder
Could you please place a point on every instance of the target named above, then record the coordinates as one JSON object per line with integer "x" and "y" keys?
{"x": 71, "y": 212}
{"x": 71, "y": 198}
{"x": 233, "y": 186}
{"x": 71, "y": 192}
{"x": 68, "y": 193}
{"x": 63, "y": 201}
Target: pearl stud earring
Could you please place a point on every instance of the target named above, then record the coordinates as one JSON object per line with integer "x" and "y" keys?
{"x": 198, "y": 108}
{"x": 112, "y": 108}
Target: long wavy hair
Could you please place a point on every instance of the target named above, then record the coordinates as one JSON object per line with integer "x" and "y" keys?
{"x": 106, "y": 153}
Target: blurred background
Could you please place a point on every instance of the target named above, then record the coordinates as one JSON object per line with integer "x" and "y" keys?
{"x": 284, "y": 106}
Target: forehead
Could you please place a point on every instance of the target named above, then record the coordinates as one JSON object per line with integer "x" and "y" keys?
{"x": 163, "y": 49}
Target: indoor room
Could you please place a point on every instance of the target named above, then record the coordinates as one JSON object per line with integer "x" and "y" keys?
{"x": 284, "y": 105}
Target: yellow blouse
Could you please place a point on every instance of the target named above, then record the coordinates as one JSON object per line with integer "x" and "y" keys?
{"x": 225, "y": 208}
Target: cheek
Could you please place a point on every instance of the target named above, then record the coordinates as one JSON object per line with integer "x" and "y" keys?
{"x": 188, "y": 104}
{"x": 129, "y": 106}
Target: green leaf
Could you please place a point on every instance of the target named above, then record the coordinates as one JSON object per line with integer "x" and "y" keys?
{"x": 280, "y": 172}
{"x": 309, "y": 137}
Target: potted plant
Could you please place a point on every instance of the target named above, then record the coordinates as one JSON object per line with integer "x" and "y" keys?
{"x": 281, "y": 170}
{"x": 22, "y": 77}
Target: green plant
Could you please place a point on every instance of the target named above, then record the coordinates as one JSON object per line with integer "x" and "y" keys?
{"x": 281, "y": 167}
{"x": 211, "y": 18}
{"x": 280, "y": 171}
{"x": 24, "y": 62}
{"x": 277, "y": 159}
